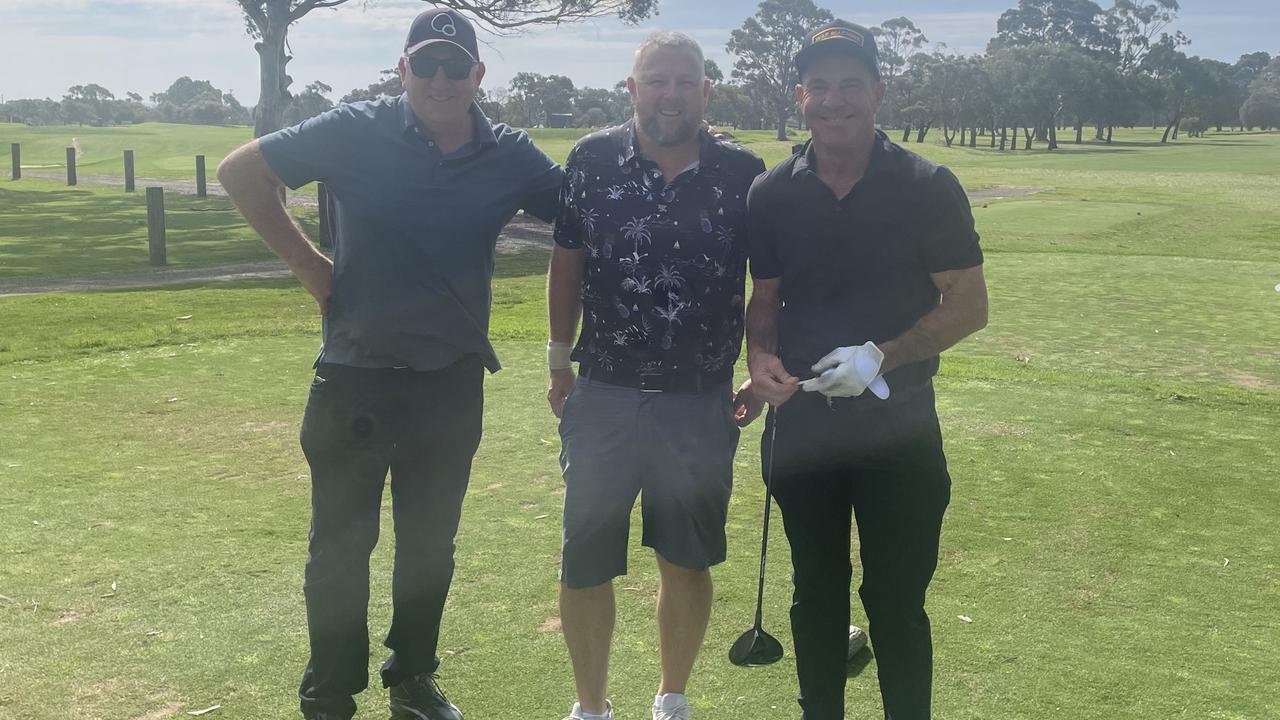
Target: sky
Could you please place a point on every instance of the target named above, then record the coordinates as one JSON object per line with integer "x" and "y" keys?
{"x": 144, "y": 45}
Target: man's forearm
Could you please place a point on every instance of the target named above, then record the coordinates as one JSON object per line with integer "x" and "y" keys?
{"x": 564, "y": 293}
{"x": 762, "y": 326}
{"x": 944, "y": 326}
{"x": 255, "y": 191}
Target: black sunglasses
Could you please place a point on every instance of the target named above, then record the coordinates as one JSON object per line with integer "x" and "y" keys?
{"x": 425, "y": 66}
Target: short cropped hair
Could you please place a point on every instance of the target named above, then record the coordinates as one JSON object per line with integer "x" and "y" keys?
{"x": 669, "y": 39}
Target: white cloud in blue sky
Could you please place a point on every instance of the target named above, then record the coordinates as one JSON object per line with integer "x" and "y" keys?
{"x": 143, "y": 45}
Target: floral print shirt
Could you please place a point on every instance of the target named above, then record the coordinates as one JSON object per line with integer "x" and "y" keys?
{"x": 666, "y": 263}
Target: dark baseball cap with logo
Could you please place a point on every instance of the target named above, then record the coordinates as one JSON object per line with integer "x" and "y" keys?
{"x": 442, "y": 25}
{"x": 843, "y": 38}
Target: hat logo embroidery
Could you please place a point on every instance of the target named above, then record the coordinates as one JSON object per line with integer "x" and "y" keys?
{"x": 838, "y": 33}
{"x": 446, "y": 28}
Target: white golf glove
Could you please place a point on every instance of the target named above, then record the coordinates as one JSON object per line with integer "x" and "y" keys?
{"x": 848, "y": 371}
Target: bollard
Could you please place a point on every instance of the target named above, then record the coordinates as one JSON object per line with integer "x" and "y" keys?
{"x": 201, "y": 190}
{"x": 326, "y": 232}
{"x": 128, "y": 171}
{"x": 155, "y": 225}
{"x": 71, "y": 166}
{"x": 15, "y": 149}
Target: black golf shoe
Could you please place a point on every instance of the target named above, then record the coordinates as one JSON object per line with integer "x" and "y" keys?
{"x": 420, "y": 698}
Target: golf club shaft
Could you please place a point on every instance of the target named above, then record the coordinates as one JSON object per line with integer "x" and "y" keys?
{"x": 768, "y": 503}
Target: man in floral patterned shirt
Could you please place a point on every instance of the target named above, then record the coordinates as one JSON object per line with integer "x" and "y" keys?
{"x": 651, "y": 252}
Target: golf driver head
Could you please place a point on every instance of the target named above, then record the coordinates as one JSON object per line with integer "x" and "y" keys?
{"x": 755, "y": 647}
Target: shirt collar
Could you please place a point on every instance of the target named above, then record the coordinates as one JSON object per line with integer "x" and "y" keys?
{"x": 629, "y": 147}
{"x": 484, "y": 134}
{"x": 878, "y": 163}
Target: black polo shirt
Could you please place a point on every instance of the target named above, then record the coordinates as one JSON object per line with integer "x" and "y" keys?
{"x": 858, "y": 268}
{"x": 666, "y": 264}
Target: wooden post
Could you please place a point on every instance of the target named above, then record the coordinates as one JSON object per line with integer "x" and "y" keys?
{"x": 15, "y": 150}
{"x": 201, "y": 191}
{"x": 155, "y": 225}
{"x": 326, "y": 231}
{"x": 128, "y": 171}
{"x": 71, "y": 166}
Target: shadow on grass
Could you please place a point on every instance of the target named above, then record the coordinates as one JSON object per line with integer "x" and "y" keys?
{"x": 859, "y": 662}
{"x": 68, "y": 232}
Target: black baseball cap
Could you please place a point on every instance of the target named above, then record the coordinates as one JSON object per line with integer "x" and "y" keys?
{"x": 442, "y": 25}
{"x": 840, "y": 36}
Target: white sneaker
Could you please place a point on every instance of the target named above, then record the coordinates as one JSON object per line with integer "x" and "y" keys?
{"x": 577, "y": 714}
{"x": 670, "y": 707}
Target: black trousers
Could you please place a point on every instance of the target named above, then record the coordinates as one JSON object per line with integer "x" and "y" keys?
{"x": 882, "y": 464}
{"x": 424, "y": 427}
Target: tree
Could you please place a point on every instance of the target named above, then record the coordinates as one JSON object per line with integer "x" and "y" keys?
{"x": 1137, "y": 24}
{"x": 310, "y": 102}
{"x": 712, "y": 71}
{"x": 598, "y": 107}
{"x": 897, "y": 40}
{"x": 1262, "y": 108}
{"x": 730, "y": 105}
{"x": 33, "y": 112}
{"x": 1068, "y": 22}
{"x": 533, "y": 98}
{"x": 90, "y": 104}
{"x": 268, "y": 22}
{"x": 388, "y": 86}
{"x": 1180, "y": 78}
{"x": 766, "y": 46}
{"x": 196, "y": 102}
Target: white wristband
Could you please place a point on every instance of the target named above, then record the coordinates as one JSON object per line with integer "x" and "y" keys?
{"x": 558, "y": 355}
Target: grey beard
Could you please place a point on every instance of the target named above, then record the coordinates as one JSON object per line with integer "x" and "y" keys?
{"x": 680, "y": 135}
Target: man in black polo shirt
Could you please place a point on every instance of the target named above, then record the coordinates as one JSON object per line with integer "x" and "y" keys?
{"x": 865, "y": 267}
{"x": 651, "y": 252}
{"x": 424, "y": 183}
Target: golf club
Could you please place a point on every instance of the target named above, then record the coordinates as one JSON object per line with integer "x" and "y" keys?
{"x": 755, "y": 646}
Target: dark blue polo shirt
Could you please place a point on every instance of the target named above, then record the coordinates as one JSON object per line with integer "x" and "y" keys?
{"x": 858, "y": 268}
{"x": 666, "y": 263}
{"x": 416, "y": 229}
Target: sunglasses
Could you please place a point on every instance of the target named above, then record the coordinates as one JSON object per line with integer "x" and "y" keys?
{"x": 425, "y": 66}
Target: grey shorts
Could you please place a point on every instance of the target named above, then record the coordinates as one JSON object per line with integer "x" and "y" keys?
{"x": 675, "y": 450}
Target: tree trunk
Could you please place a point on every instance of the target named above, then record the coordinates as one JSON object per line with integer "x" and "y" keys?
{"x": 1079, "y": 131}
{"x": 1026, "y": 132}
{"x": 1004, "y": 136}
{"x": 962, "y": 133}
{"x": 1109, "y": 129}
{"x": 274, "y": 83}
{"x": 1098, "y": 134}
{"x": 1177, "y": 118}
{"x": 782, "y": 124}
{"x": 1053, "y": 135}
{"x": 906, "y": 132}
{"x": 993, "y": 136}
{"x": 973, "y": 137}
{"x": 924, "y": 130}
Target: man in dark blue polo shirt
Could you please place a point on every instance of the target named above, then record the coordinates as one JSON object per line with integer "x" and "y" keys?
{"x": 865, "y": 266}
{"x": 423, "y": 183}
{"x": 651, "y": 252}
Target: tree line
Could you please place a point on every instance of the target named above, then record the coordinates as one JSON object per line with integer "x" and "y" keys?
{"x": 1052, "y": 66}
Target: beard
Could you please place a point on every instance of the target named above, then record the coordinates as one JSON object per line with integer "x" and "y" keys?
{"x": 670, "y": 135}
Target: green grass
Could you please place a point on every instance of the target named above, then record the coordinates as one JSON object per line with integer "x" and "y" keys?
{"x": 1111, "y": 436}
{"x": 48, "y": 229}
